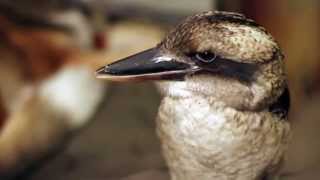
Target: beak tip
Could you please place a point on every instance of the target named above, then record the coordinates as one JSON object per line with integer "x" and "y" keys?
{"x": 101, "y": 71}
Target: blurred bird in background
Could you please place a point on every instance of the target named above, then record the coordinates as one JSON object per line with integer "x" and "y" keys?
{"x": 47, "y": 88}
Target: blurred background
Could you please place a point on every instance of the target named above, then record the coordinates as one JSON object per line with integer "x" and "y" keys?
{"x": 58, "y": 122}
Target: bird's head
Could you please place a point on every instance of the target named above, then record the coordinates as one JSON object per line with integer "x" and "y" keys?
{"x": 221, "y": 55}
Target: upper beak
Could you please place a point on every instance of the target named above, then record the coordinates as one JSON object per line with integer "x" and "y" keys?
{"x": 147, "y": 65}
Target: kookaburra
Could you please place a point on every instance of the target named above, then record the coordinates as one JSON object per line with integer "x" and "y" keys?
{"x": 225, "y": 97}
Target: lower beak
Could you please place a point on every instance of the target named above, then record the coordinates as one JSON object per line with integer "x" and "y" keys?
{"x": 147, "y": 65}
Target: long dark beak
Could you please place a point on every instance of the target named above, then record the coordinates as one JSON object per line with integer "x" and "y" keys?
{"x": 147, "y": 65}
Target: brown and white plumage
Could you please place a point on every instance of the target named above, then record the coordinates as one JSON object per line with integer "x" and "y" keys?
{"x": 225, "y": 105}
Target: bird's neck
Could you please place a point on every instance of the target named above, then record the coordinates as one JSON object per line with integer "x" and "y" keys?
{"x": 209, "y": 141}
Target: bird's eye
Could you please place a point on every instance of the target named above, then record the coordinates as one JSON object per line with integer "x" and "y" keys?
{"x": 206, "y": 57}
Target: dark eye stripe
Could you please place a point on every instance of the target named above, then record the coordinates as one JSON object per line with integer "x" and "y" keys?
{"x": 243, "y": 72}
{"x": 240, "y": 71}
